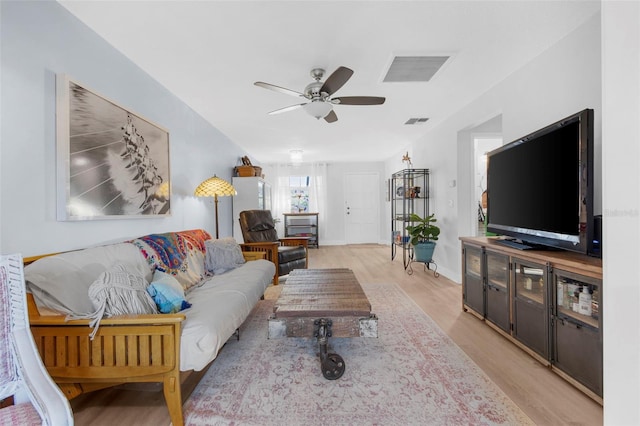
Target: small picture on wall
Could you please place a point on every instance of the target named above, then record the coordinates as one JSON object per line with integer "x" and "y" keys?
{"x": 111, "y": 162}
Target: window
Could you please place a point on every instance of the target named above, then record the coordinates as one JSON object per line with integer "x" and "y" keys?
{"x": 299, "y": 186}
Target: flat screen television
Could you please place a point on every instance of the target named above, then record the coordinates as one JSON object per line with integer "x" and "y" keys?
{"x": 540, "y": 187}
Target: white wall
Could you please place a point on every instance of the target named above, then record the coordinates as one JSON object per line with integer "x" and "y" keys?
{"x": 41, "y": 39}
{"x": 621, "y": 217}
{"x": 561, "y": 81}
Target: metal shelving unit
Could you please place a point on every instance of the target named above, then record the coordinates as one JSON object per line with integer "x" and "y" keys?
{"x": 302, "y": 225}
{"x": 409, "y": 194}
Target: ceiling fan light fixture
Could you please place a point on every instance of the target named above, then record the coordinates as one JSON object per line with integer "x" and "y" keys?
{"x": 318, "y": 109}
{"x": 296, "y": 156}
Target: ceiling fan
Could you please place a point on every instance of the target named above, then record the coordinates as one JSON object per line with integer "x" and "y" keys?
{"x": 320, "y": 103}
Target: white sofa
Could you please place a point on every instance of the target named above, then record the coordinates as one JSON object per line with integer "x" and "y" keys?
{"x": 218, "y": 308}
{"x": 144, "y": 348}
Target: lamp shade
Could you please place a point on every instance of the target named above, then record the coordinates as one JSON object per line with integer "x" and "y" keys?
{"x": 214, "y": 186}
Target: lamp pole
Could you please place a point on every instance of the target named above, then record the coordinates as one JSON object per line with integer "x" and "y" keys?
{"x": 215, "y": 198}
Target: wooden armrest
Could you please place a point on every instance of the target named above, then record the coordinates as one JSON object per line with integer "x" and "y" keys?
{"x": 149, "y": 319}
{"x": 30, "y": 259}
{"x": 269, "y": 248}
{"x": 295, "y": 241}
{"x": 264, "y": 244}
{"x": 36, "y": 319}
{"x": 254, "y": 255}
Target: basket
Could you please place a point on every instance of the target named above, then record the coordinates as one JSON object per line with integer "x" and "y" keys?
{"x": 245, "y": 171}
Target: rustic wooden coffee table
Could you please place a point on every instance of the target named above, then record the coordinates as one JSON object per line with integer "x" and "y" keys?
{"x": 323, "y": 303}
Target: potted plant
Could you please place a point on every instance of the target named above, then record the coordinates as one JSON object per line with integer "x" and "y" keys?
{"x": 423, "y": 236}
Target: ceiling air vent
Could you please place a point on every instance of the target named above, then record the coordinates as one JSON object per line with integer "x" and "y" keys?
{"x": 414, "y": 68}
{"x": 414, "y": 121}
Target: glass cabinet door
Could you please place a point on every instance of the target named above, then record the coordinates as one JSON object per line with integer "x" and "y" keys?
{"x": 577, "y": 298}
{"x": 497, "y": 290}
{"x": 530, "y": 283}
{"x": 473, "y": 262}
{"x": 577, "y": 334}
{"x": 497, "y": 270}
{"x": 473, "y": 283}
{"x": 530, "y": 315}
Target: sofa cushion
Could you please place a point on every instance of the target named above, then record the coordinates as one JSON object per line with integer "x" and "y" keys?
{"x": 223, "y": 255}
{"x": 286, "y": 268}
{"x": 180, "y": 254}
{"x": 291, "y": 253}
{"x": 219, "y": 306}
{"x": 61, "y": 282}
{"x": 167, "y": 292}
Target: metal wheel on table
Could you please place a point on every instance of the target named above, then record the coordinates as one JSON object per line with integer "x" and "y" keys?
{"x": 333, "y": 367}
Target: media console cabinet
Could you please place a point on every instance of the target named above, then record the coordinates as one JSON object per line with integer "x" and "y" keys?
{"x": 548, "y": 302}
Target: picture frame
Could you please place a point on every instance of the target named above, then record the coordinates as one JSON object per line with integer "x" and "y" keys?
{"x": 111, "y": 163}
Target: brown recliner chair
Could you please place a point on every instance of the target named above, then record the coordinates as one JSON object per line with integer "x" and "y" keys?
{"x": 259, "y": 233}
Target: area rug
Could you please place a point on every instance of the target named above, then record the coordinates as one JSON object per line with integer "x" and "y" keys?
{"x": 412, "y": 374}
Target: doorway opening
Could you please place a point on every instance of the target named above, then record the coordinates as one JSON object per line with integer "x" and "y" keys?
{"x": 483, "y": 143}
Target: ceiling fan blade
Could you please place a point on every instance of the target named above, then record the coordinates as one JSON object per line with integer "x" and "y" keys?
{"x": 336, "y": 80}
{"x": 278, "y": 89}
{"x": 359, "y": 100}
{"x": 331, "y": 117}
{"x": 286, "y": 109}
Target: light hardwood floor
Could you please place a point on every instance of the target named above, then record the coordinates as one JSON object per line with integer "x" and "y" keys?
{"x": 545, "y": 397}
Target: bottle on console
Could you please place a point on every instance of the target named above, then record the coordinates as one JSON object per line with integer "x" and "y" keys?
{"x": 584, "y": 301}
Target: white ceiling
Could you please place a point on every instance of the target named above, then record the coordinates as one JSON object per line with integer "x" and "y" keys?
{"x": 209, "y": 54}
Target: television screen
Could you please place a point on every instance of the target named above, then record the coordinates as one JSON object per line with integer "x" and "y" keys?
{"x": 540, "y": 186}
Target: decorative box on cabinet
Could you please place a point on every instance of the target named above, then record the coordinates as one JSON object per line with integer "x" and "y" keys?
{"x": 533, "y": 298}
{"x": 253, "y": 193}
{"x": 302, "y": 225}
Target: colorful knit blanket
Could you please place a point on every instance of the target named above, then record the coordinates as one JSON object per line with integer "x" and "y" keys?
{"x": 177, "y": 253}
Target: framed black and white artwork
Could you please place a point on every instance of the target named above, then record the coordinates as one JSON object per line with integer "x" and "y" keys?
{"x": 111, "y": 162}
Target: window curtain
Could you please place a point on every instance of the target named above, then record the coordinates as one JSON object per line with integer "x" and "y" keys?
{"x": 281, "y": 191}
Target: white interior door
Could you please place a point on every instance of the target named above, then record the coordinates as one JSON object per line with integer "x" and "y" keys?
{"x": 362, "y": 205}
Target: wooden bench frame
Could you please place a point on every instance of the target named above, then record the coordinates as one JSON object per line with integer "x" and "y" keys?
{"x": 126, "y": 349}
